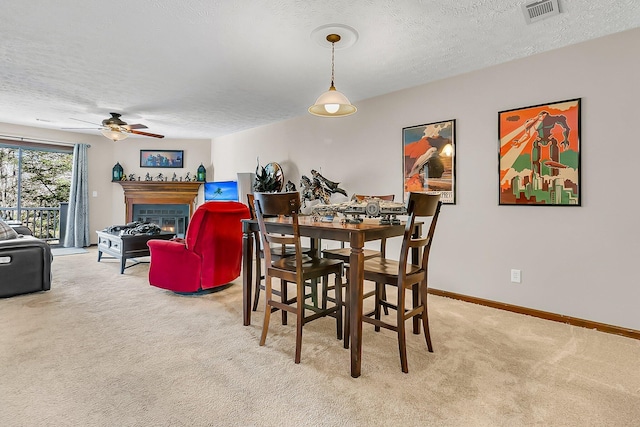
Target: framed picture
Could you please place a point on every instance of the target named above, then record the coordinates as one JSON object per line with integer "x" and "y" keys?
{"x": 539, "y": 155}
{"x": 161, "y": 158}
{"x": 429, "y": 159}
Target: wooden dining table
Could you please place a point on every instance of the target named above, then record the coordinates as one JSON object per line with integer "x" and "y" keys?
{"x": 355, "y": 234}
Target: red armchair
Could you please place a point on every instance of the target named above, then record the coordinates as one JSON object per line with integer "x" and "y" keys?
{"x": 209, "y": 256}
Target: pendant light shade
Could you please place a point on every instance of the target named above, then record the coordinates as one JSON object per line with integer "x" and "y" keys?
{"x": 332, "y": 103}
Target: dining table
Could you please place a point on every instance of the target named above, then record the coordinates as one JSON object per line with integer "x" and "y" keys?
{"x": 355, "y": 234}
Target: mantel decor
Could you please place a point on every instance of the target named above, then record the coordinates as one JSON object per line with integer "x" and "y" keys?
{"x": 117, "y": 172}
{"x": 159, "y": 192}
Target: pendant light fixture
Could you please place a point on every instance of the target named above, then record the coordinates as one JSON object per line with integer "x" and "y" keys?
{"x": 113, "y": 134}
{"x": 332, "y": 103}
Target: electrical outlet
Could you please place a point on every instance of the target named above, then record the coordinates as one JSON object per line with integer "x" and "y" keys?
{"x": 516, "y": 276}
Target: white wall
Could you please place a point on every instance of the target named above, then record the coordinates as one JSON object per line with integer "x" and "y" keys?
{"x": 575, "y": 261}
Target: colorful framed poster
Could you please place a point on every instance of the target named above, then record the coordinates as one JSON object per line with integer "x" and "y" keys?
{"x": 429, "y": 161}
{"x": 161, "y": 158}
{"x": 539, "y": 154}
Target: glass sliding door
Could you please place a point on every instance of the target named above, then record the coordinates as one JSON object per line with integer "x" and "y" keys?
{"x": 34, "y": 181}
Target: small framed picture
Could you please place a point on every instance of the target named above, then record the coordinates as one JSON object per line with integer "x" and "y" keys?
{"x": 161, "y": 158}
{"x": 429, "y": 159}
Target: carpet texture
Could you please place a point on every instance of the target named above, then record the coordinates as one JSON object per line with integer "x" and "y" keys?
{"x": 67, "y": 251}
{"x": 105, "y": 349}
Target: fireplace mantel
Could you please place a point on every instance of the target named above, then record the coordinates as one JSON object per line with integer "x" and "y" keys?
{"x": 159, "y": 192}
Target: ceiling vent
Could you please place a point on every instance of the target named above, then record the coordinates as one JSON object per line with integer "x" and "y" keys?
{"x": 535, "y": 11}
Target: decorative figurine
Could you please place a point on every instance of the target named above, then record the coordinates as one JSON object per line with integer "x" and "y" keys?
{"x": 132, "y": 177}
{"x": 174, "y": 178}
{"x": 289, "y": 186}
{"x": 147, "y": 177}
{"x": 187, "y": 177}
{"x": 159, "y": 177}
{"x": 320, "y": 188}
{"x": 330, "y": 185}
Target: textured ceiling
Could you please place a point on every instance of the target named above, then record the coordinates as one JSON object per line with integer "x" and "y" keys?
{"x": 205, "y": 68}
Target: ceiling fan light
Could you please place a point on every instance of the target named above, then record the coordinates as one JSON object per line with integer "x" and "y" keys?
{"x": 114, "y": 135}
{"x": 332, "y": 104}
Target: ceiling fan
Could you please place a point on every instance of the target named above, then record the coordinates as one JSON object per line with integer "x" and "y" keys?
{"x": 116, "y": 129}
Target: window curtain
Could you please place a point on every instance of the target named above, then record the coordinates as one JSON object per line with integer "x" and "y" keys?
{"x": 78, "y": 215}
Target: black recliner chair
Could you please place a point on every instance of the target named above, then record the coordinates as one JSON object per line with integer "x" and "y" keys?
{"x": 25, "y": 264}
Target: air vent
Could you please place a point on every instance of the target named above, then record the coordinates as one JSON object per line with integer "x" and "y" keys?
{"x": 538, "y": 10}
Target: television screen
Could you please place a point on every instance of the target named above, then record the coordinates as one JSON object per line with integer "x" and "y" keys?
{"x": 221, "y": 190}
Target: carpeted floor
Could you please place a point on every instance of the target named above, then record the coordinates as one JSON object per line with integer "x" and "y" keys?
{"x": 67, "y": 251}
{"x": 105, "y": 349}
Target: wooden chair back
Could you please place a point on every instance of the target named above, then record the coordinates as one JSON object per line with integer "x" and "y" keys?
{"x": 279, "y": 204}
{"x": 421, "y": 206}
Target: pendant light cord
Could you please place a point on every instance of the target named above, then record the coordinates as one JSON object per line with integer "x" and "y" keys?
{"x": 333, "y": 44}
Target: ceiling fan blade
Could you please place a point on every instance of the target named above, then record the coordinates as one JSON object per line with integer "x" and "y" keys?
{"x": 136, "y": 126}
{"x": 154, "y": 135}
{"x": 78, "y": 128}
{"x": 91, "y": 123}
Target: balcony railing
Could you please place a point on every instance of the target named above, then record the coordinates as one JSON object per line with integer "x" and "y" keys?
{"x": 44, "y": 223}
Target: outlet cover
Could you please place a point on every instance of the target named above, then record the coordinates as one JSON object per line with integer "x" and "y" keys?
{"x": 516, "y": 276}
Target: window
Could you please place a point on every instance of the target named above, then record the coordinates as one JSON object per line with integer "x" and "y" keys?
{"x": 35, "y": 180}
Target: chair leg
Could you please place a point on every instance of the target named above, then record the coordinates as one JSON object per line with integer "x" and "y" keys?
{"x": 347, "y": 317}
{"x": 425, "y": 316}
{"x": 378, "y": 297}
{"x": 284, "y": 291}
{"x": 299, "y": 319}
{"x": 267, "y": 309}
{"x": 325, "y": 292}
{"x": 383, "y": 295}
{"x": 402, "y": 347}
{"x": 338, "y": 302}
{"x": 256, "y": 298}
{"x": 402, "y": 338}
{"x": 415, "y": 289}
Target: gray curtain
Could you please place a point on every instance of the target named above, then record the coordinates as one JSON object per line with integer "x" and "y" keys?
{"x": 78, "y": 215}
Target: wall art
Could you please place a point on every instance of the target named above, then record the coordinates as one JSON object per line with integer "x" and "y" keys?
{"x": 429, "y": 159}
{"x": 539, "y": 154}
{"x": 161, "y": 158}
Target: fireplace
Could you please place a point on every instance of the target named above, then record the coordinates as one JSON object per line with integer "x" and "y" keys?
{"x": 166, "y": 203}
{"x": 170, "y": 218}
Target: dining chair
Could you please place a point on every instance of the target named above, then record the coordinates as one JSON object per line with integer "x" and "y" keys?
{"x": 404, "y": 275}
{"x": 277, "y": 252}
{"x": 299, "y": 269}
